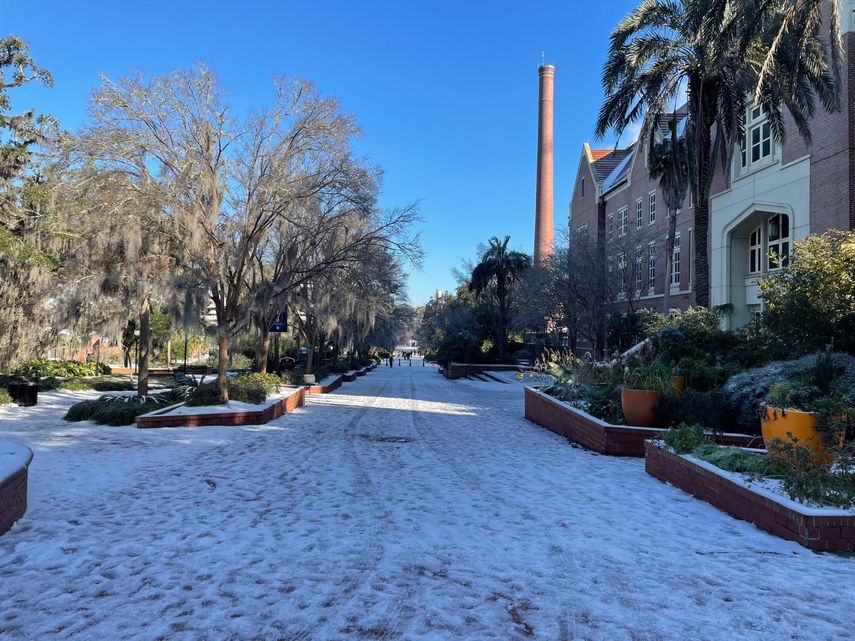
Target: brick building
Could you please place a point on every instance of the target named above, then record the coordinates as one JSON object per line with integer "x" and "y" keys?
{"x": 771, "y": 195}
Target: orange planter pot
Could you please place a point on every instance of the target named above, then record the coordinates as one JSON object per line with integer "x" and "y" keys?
{"x": 639, "y": 406}
{"x": 794, "y": 426}
{"x": 679, "y": 383}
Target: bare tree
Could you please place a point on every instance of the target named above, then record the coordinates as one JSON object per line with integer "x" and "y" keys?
{"x": 227, "y": 181}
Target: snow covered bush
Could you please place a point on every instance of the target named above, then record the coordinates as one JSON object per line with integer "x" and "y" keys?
{"x": 747, "y": 391}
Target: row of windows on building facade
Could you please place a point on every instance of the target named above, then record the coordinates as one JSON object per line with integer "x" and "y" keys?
{"x": 645, "y": 269}
{"x": 769, "y": 248}
{"x": 623, "y": 216}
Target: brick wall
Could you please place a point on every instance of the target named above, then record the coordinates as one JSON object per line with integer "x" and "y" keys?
{"x": 593, "y": 434}
{"x": 13, "y": 499}
{"x": 831, "y": 533}
{"x": 289, "y": 403}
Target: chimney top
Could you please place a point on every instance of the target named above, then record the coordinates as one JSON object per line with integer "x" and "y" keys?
{"x": 546, "y": 70}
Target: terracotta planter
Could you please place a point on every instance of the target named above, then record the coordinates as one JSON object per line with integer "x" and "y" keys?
{"x": 639, "y": 406}
{"x": 794, "y": 426}
{"x": 679, "y": 383}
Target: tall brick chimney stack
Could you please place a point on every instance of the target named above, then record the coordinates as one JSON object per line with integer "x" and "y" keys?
{"x": 543, "y": 226}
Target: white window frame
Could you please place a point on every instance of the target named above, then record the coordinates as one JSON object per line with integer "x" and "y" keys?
{"x": 757, "y": 147}
{"x": 755, "y": 250}
{"x": 651, "y": 266}
{"x": 621, "y": 269}
{"x": 639, "y": 214}
{"x": 639, "y": 270}
{"x": 611, "y": 226}
{"x": 781, "y": 241}
{"x": 623, "y": 214}
{"x": 651, "y": 207}
{"x": 675, "y": 262}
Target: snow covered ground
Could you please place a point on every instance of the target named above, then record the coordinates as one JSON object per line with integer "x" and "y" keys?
{"x": 403, "y": 506}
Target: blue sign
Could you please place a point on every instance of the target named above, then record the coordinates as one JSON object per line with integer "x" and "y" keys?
{"x": 281, "y": 322}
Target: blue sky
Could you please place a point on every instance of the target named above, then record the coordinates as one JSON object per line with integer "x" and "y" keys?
{"x": 445, "y": 91}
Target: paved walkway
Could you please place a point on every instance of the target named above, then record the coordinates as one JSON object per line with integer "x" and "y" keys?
{"x": 403, "y": 506}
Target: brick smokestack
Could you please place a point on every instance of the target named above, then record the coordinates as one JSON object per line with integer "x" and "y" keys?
{"x": 543, "y": 226}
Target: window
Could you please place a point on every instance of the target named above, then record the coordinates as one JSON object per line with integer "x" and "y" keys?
{"x": 611, "y": 226}
{"x": 639, "y": 275}
{"x": 769, "y": 245}
{"x": 755, "y": 251}
{"x": 639, "y": 213}
{"x": 651, "y": 266}
{"x": 651, "y": 207}
{"x": 778, "y": 252}
{"x": 622, "y": 222}
{"x": 675, "y": 262}
{"x": 621, "y": 268}
{"x": 691, "y": 254}
{"x": 583, "y": 187}
{"x": 756, "y": 146}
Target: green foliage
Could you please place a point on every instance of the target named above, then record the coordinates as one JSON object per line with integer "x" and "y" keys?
{"x": 604, "y": 403}
{"x": 685, "y": 438}
{"x": 707, "y": 408}
{"x": 807, "y": 482}
{"x": 44, "y": 367}
{"x": 811, "y": 303}
{"x": 653, "y": 375}
{"x": 629, "y": 328}
{"x": 253, "y": 388}
{"x": 458, "y": 349}
{"x": 294, "y": 376}
{"x": 206, "y": 394}
{"x": 116, "y": 410}
{"x": 247, "y": 388}
{"x": 5, "y": 399}
{"x": 737, "y": 459}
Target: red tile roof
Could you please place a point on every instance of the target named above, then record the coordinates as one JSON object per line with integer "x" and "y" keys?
{"x": 600, "y": 153}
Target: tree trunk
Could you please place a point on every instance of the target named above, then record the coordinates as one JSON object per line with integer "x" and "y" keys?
{"x": 702, "y": 222}
{"x": 669, "y": 261}
{"x": 169, "y": 351}
{"x": 263, "y": 350}
{"x": 310, "y": 357}
{"x": 144, "y": 346}
{"x": 222, "y": 363}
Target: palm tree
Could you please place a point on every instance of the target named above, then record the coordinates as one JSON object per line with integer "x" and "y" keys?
{"x": 725, "y": 54}
{"x": 668, "y": 162}
{"x": 497, "y": 272}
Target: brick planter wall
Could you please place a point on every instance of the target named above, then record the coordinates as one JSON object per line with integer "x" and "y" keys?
{"x": 835, "y": 533}
{"x": 289, "y": 403}
{"x": 13, "y": 493}
{"x": 325, "y": 389}
{"x": 597, "y": 435}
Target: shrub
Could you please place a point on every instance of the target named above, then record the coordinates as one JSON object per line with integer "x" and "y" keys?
{"x": 710, "y": 409}
{"x": 748, "y": 391}
{"x": 253, "y": 388}
{"x": 811, "y": 303}
{"x": 294, "y": 376}
{"x": 458, "y": 349}
{"x": 43, "y": 367}
{"x": 5, "y": 399}
{"x": 684, "y": 438}
{"x": 604, "y": 403}
{"x": 736, "y": 459}
{"x": 116, "y": 410}
{"x": 206, "y": 394}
